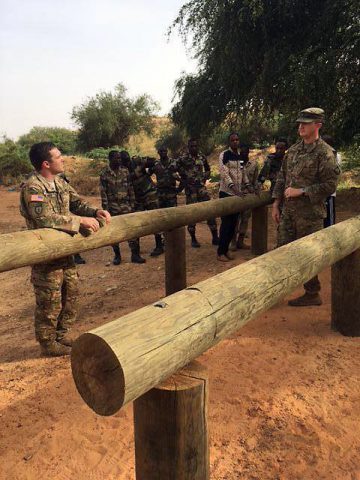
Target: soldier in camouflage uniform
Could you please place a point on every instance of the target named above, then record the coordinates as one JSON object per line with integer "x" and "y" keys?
{"x": 47, "y": 201}
{"x": 272, "y": 164}
{"x": 146, "y": 197}
{"x": 166, "y": 176}
{"x": 309, "y": 174}
{"x": 117, "y": 196}
{"x": 194, "y": 170}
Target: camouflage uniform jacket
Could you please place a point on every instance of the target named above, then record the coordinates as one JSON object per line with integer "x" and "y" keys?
{"x": 166, "y": 176}
{"x": 270, "y": 170}
{"x": 140, "y": 178}
{"x": 116, "y": 190}
{"x": 193, "y": 171}
{"x": 57, "y": 205}
{"x": 312, "y": 167}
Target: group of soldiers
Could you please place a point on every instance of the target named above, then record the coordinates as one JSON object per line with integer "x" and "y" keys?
{"x": 126, "y": 185}
{"x": 301, "y": 180}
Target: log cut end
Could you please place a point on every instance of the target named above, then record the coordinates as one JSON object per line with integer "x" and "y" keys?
{"x": 98, "y": 375}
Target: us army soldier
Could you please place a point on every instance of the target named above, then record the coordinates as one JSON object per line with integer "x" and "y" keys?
{"x": 48, "y": 201}
{"x": 309, "y": 174}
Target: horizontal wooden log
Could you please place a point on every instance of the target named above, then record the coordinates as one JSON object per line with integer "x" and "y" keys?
{"x": 119, "y": 361}
{"x": 35, "y": 246}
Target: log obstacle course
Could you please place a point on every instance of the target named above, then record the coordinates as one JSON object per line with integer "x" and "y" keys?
{"x": 29, "y": 247}
{"x": 139, "y": 356}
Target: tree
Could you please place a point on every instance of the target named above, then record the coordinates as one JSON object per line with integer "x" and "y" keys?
{"x": 63, "y": 138}
{"x": 14, "y": 159}
{"x": 110, "y": 118}
{"x": 270, "y": 58}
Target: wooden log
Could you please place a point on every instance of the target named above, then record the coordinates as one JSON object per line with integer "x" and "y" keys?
{"x": 35, "y": 246}
{"x": 175, "y": 261}
{"x": 345, "y": 295}
{"x": 259, "y": 235}
{"x": 171, "y": 438}
{"x": 119, "y": 361}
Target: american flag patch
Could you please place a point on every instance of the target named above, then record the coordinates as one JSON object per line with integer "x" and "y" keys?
{"x": 36, "y": 198}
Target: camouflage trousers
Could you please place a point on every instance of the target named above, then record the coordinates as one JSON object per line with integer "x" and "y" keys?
{"x": 298, "y": 223}
{"x": 133, "y": 244}
{"x": 149, "y": 202}
{"x": 200, "y": 195}
{"x": 167, "y": 200}
{"x": 56, "y": 291}
{"x": 242, "y": 224}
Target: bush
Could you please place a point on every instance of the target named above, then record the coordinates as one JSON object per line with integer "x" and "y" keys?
{"x": 14, "y": 160}
{"x": 351, "y": 158}
{"x": 64, "y": 139}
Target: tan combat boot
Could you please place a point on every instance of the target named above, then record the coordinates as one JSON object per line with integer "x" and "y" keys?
{"x": 54, "y": 349}
{"x": 306, "y": 300}
{"x": 65, "y": 340}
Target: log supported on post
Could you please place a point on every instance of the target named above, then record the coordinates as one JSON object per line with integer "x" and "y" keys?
{"x": 259, "y": 229}
{"x": 35, "y": 246}
{"x": 170, "y": 421}
{"x": 345, "y": 295}
{"x": 175, "y": 261}
{"x": 119, "y": 361}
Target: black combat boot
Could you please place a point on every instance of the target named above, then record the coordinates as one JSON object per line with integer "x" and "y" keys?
{"x": 78, "y": 259}
{"x": 117, "y": 257}
{"x": 306, "y": 300}
{"x": 194, "y": 242}
{"x": 135, "y": 255}
{"x": 159, "y": 248}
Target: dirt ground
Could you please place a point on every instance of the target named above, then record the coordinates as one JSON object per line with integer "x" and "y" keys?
{"x": 284, "y": 391}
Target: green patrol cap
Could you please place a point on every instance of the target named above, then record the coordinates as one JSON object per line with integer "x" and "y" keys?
{"x": 310, "y": 115}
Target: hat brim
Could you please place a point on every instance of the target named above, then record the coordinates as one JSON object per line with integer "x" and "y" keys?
{"x": 309, "y": 120}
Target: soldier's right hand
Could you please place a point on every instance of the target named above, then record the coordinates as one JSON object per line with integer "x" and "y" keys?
{"x": 90, "y": 223}
{"x": 275, "y": 213}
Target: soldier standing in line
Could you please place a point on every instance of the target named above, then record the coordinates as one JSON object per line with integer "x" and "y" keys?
{"x": 272, "y": 164}
{"x": 47, "y": 201}
{"x": 117, "y": 196}
{"x": 146, "y": 197}
{"x": 166, "y": 177}
{"x": 194, "y": 170}
{"x": 309, "y": 174}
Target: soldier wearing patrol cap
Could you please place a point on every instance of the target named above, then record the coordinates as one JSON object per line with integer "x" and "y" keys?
{"x": 309, "y": 174}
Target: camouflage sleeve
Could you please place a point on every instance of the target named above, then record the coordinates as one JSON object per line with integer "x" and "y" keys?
{"x": 328, "y": 175}
{"x": 279, "y": 188}
{"x": 78, "y": 206}
{"x": 264, "y": 172}
{"x": 182, "y": 175}
{"x": 36, "y": 207}
{"x": 207, "y": 173}
{"x": 103, "y": 193}
{"x": 255, "y": 176}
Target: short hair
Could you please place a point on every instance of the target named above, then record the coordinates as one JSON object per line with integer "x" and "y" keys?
{"x": 39, "y": 153}
{"x": 113, "y": 154}
{"x": 282, "y": 140}
{"x": 124, "y": 153}
{"x": 192, "y": 140}
{"x": 231, "y": 134}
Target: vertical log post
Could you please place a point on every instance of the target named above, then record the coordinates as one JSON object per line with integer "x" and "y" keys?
{"x": 171, "y": 440}
{"x": 345, "y": 295}
{"x": 259, "y": 232}
{"x": 175, "y": 260}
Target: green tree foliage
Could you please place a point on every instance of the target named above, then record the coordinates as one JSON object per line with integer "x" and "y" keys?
{"x": 13, "y": 159}
{"x": 173, "y": 138}
{"x": 270, "y": 58}
{"x": 110, "y": 118}
{"x": 63, "y": 138}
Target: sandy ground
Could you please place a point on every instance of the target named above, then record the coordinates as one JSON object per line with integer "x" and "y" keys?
{"x": 284, "y": 391}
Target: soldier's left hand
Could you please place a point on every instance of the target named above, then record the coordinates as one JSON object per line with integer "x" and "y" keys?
{"x": 104, "y": 214}
{"x": 291, "y": 192}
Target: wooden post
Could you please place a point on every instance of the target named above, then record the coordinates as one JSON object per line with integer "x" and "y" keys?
{"x": 175, "y": 260}
{"x": 259, "y": 230}
{"x": 345, "y": 295}
{"x": 171, "y": 440}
